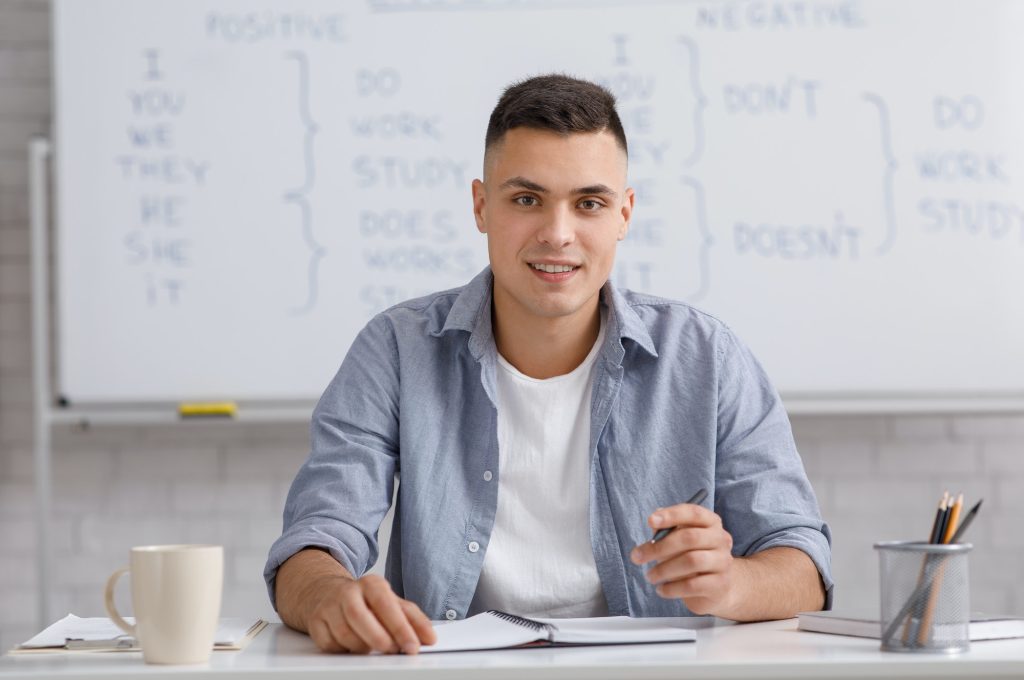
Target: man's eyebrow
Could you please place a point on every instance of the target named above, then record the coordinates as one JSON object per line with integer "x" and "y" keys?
{"x": 599, "y": 189}
{"x": 523, "y": 183}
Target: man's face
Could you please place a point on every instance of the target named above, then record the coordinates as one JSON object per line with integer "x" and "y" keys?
{"x": 553, "y": 208}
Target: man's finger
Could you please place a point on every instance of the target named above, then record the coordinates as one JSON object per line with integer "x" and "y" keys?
{"x": 364, "y": 624}
{"x": 689, "y": 564}
{"x": 678, "y": 541}
{"x": 684, "y": 514}
{"x": 420, "y": 623}
{"x": 385, "y": 605}
{"x": 350, "y": 642}
{"x": 710, "y": 586}
{"x": 320, "y": 633}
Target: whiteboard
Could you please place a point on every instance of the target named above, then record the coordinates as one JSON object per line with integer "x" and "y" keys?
{"x": 242, "y": 185}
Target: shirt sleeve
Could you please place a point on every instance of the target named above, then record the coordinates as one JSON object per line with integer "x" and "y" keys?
{"x": 761, "y": 490}
{"x": 343, "y": 490}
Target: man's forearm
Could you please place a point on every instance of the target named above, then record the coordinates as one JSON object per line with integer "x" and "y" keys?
{"x": 776, "y": 583}
{"x": 299, "y": 579}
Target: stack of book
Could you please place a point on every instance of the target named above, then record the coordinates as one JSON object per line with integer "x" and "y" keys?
{"x": 982, "y": 627}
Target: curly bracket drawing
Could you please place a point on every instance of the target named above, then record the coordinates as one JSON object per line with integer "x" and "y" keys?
{"x": 299, "y": 196}
{"x": 701, "y": 103}
{"x": 706, "y": 240}
{"x": 890, "y": 170}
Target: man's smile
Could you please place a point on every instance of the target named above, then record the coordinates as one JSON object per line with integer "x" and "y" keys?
{"x": 554, "y": 272}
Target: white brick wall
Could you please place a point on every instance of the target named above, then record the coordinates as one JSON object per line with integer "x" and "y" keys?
{"x": 876, "y": 477}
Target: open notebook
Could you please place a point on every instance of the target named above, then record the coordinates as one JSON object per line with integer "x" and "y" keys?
{"x": 498, "y": 630}
{"x": 100, "y": 634}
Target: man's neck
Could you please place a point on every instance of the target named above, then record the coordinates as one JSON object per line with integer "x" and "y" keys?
{"x": 547, "y": 347}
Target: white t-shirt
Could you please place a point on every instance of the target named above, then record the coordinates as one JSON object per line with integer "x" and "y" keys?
{"x": 539, "y": 560}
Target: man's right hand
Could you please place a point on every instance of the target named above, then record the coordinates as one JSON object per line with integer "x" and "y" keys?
{"x": 317, "y": 595}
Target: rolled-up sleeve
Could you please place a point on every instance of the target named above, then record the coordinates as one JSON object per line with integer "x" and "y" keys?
{"x": 761, "y": 490}
{"x": 344, "y": 489}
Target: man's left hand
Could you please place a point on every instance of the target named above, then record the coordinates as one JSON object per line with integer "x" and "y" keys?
{"x": 694, "y": 562}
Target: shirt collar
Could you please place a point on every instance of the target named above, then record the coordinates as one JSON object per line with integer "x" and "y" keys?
{"x": 624, "y": 322}
{"x": 471, "y": 312}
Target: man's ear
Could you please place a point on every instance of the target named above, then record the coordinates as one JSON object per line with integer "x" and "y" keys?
{"x": 479, "y": 199}
{"x": 627, "y": 211}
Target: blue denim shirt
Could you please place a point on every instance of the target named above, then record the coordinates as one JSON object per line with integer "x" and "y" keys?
{"x": 678, "y": 404}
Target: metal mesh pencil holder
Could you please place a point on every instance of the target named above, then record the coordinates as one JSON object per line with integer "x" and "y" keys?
{"x": 925, "y": 596}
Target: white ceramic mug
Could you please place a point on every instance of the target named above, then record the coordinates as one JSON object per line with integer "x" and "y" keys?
{"x": 176, "y": 593}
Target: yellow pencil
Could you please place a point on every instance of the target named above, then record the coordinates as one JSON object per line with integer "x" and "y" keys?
{"x": 954, "y": 518}
{"x": 934, "y": 537}
{"x": 925, "y": 630}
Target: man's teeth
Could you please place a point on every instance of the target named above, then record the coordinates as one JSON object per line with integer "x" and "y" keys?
{"x": 554, "y": 268}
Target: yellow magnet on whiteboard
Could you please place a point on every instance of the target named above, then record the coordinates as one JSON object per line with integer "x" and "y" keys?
{"x": 222, "y": 409}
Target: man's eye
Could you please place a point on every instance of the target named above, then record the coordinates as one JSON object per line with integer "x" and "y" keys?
{"x": 526, "y": 200}
{"x": 590, "y": 204}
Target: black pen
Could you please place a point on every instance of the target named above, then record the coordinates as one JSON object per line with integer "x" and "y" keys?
{"x": 965, "y": 523}
{"x": 698, "y": 498}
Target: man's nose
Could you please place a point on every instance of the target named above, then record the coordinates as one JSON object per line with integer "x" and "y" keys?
{"x": 559, "y": 229}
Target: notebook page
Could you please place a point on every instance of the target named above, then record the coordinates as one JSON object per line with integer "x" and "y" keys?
{"x": 619, "y": 630}
{"x": 482, "y": 631}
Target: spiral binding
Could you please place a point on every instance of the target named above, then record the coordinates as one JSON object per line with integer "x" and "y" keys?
{"x": 522, "y": 621}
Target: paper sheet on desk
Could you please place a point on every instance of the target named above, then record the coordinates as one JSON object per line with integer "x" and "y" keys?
{"x": 231, "y": 633}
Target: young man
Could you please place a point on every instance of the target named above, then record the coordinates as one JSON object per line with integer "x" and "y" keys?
{"x": 543, "y": 424}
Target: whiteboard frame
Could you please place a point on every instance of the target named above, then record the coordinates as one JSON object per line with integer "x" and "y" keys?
{"x": 809, "y": 403}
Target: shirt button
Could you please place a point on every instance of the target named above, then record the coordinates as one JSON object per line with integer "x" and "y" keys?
{"x": 450, "y": 615}
{"x": 488, "y": 476}
{"x": 473, "y": 546}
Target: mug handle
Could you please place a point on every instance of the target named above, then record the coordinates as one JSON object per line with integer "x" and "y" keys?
{"x": 112, "y": 608}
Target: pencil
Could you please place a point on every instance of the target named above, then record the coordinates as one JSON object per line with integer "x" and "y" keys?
{"x": 945, "y": 518}
{"x": 939, "y": 513}
{"x": 940, "y": 516}
{"x": 924, "y": 631}
{"x": 954, "y": 517}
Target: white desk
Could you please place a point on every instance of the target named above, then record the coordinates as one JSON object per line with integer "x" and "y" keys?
{"x": 751, "y": 651}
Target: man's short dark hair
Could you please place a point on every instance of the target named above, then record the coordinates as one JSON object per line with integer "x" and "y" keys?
{"x": 558, "y": 103}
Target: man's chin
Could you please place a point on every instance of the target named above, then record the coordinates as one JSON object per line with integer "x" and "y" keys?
{"x": 558, "y": 307}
